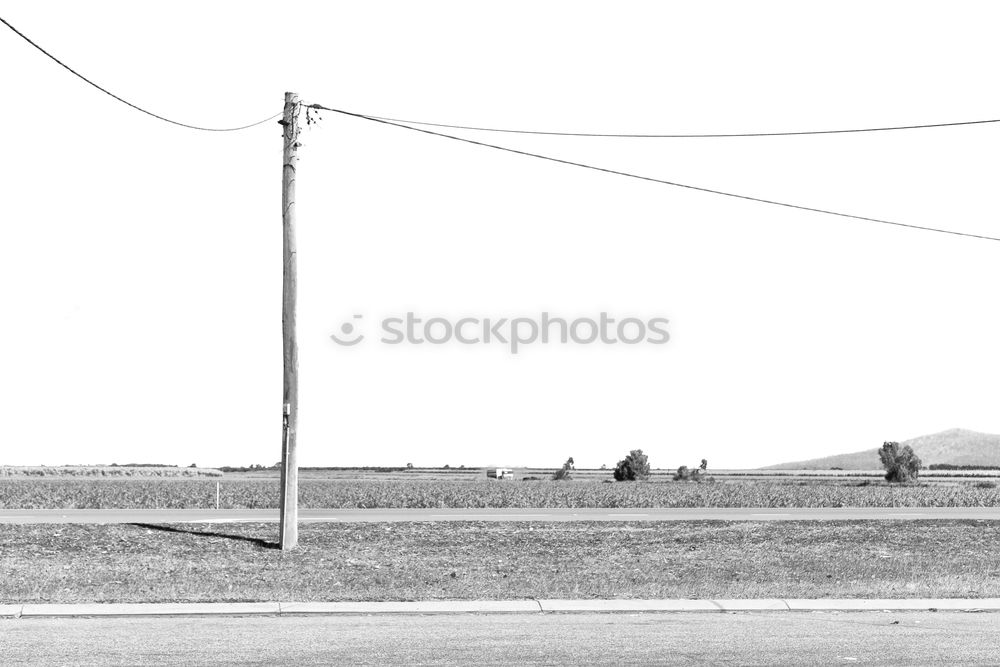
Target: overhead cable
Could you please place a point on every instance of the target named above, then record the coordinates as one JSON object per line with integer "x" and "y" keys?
{"x": 715, "y": 135}
{"x": 658, "y": 180}
{"x": 126, "y": 102}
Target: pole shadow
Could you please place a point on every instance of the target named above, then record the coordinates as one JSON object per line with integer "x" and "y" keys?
{"x": 264, "y": 544}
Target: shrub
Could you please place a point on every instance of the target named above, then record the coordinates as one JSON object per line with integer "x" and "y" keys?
{"x": 901, "y": 463}
{"x": 563, "y": 474}
{"x": 633, "y": 467}
{"x": 685, "y": 474}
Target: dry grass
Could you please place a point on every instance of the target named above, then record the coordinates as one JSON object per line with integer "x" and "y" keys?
{"x": 704, "y": 559}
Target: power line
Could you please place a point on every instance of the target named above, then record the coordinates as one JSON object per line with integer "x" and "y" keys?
{"x": 514, "y": 131}
{"x": 124, "y": 101}
{"x": 658, "y": 180}
{"x": 402, "y": 124}
{"x": 685, "y": 136}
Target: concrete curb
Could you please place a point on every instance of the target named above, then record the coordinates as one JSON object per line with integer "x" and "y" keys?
{"x": 10, "y": 610}
{"x": 152, "y": 609}
{"x": 914, "y": 604}
{"x": 489, "y": 607}
{"x": 583, "y": 606}
{"x": 425, "y": 607}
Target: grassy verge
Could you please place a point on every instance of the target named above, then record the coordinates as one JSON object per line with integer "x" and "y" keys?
{"x": 404, "y": 561}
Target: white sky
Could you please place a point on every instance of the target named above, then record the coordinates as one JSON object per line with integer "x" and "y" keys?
{"x": 141, "y": 262}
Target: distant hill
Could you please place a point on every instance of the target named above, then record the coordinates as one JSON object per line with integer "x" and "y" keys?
{"x": 956, "y": 446}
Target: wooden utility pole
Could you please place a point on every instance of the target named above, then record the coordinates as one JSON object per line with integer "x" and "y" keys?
{"x": 289, "y": 521}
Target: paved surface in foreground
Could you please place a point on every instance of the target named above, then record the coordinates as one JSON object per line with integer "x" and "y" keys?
{"x": 772, "y": 638}
{"x": 506, "y": 514}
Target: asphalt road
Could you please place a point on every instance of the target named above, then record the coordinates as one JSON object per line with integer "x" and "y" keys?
{"x": 769, "y": 638}
{"x": 573, "y": 514}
